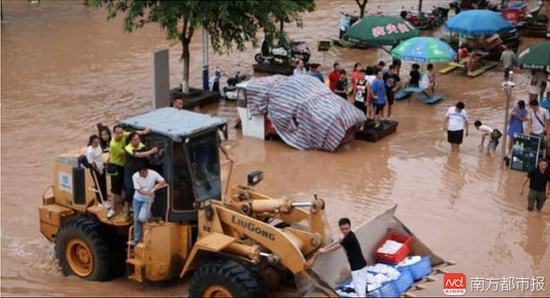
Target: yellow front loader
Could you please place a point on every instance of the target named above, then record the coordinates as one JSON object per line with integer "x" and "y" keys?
{"x": 236, "y": 246}
{"x": 242, "y": 245}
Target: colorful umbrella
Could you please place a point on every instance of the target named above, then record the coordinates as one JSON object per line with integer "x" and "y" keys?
{"x": 536, "y": 56}
{"x": 477, "y": 22}
{"x": 424, "y": 49}
{"x": 381, "y": 31}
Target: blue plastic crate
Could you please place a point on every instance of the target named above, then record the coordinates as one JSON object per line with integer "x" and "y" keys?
{"x": 387, "y": 289}
{"x": 405, "y": 280}
{"x": 421, "y": 269}
{"x": 344, "y": 285}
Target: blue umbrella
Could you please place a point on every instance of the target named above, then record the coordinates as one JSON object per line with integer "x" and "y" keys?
{"x": 477, "y": 22}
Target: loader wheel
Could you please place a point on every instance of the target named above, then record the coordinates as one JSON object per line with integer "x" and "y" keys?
{"x": 225, "y": 278}
{"x": 259, "y": 59}
{"x": 81, "y": 249}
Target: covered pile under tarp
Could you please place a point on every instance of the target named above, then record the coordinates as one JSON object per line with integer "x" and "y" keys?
{"x": 306, "y": 114}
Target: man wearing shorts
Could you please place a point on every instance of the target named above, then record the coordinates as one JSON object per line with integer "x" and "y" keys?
{"x": 379, "y": 97}
{"x": 456, "y": 123}
{"x": 392, "y": 85}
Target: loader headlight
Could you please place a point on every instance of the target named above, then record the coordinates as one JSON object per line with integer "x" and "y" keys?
{"x": 255, "y": 178}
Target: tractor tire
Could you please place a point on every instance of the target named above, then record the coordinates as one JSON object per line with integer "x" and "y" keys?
{"x": 259, "y": 59}
{"x": 83, "y": 250}
{"x": 225, "y": 278}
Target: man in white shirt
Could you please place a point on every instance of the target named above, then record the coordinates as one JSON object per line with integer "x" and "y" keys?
{"x": 456, "y": 123}
{"x": 507, "y": 59}
{"x": 537, "y": 121}
{"x": 146, "y": 182}
{"x": 494, "y": 136}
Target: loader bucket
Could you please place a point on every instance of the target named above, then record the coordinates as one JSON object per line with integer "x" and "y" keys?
{"x": 309, "y": 284}
{"x": 330, "y": 270}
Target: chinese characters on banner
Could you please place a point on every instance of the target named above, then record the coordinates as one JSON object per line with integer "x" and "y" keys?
{"x": 390, "y": 29}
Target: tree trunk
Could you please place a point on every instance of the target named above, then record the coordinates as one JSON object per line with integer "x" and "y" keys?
{"x": 419, "y": 6}
{"x": 281, "y": 26}
{"x": 186, "y": 61}
{"x": 362, "y": 5}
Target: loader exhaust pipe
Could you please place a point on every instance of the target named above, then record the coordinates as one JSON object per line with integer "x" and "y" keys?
{"x": 302, "y": 204}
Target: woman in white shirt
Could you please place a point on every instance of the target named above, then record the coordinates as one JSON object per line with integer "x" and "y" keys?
{"x": 95, "y": 159}
{"x": 300, "y": 69}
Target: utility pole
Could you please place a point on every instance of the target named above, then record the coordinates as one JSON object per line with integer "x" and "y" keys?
{"x": 507, "y": 86}
{"x": 205, "y": 77}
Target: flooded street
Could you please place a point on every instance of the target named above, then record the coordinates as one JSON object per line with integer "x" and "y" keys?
{"x": 65, "y": 68}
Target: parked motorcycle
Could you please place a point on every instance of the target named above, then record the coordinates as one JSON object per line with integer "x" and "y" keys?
{"x": 426, "y": 21}
{"x": 228, "y": 91}
{"x": 282, "y": 54}
{"x": 346, "y": 21}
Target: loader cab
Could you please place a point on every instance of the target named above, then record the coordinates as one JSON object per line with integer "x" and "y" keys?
{"x": 189, "y": 162}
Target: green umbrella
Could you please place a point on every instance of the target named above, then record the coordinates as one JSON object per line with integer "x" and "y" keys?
{"x": 381, "y": 31}
{"x": 535, "y": 57}
{"x": 424, "y": 49}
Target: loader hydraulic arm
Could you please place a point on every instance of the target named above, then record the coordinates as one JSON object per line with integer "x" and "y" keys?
{"x": 274, "y": 239}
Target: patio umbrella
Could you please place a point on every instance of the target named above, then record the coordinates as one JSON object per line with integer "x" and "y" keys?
{"x": 477, "y": 22}
{"x": 535, "y": 57}
{"x": 381, "y": 31}
{"x": 424, "y": 49}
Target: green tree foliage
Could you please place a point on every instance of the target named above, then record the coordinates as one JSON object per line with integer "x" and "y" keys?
{"x": 229, "y": 23}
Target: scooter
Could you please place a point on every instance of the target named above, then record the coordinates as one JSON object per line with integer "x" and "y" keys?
{"x": 426, "y": 21}
{"x": 346, "y": 21}
{"x": 229, "y": 91}
{"x": 281, "y": 54}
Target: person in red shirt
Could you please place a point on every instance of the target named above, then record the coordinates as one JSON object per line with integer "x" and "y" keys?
{"x": 356, "y": 75}
{"x": 334, "y": 76}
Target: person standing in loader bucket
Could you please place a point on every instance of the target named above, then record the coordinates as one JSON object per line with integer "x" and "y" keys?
{"x": 355, "y": 256}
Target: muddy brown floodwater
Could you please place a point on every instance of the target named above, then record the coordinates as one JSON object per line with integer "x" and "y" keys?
{"x": 65, "y": 68}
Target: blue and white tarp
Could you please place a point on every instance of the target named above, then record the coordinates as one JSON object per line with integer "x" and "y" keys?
{"x": 306, "y": 114}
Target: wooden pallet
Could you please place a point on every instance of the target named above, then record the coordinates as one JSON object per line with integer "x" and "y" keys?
{"x": 371, "y": 134}
{"x": 435, "y": 99}
{"x": 411, "y": 90}
{"x": 452, "y": 66}
{"x": 481, "y": 70}
{"x": 401, "y": 95}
